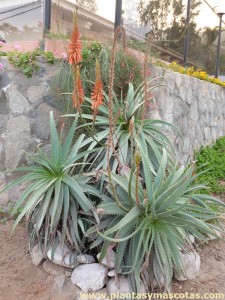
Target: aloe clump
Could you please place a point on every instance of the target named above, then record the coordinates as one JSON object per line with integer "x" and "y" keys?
{"x": 56, "y": 201}
{"x": 129, "y": 128}
{"x": 151, "y": 219}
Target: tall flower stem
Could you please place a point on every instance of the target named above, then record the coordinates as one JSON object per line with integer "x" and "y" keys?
{"x": 112, "y": 120}
{"x": 143, "y": 111}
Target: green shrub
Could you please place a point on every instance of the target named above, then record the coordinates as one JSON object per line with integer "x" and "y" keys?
{"x": 212, "y": 160}
{"x": 27, "y": 61}
{"x": 127, "y": 70}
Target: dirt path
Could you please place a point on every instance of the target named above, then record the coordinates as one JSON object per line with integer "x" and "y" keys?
{"x": 212, "y": 271}
{"x": 21, "y": 280}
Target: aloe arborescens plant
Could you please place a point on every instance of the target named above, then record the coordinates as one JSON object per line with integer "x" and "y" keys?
{"x": 150, "y": 220}
{"x": 56, "y": 200}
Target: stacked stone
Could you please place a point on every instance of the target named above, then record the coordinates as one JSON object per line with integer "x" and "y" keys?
{"x": 25, "y": 104}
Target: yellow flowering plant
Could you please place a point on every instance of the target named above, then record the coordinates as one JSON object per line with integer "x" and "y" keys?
{"x": 197, "y": 73}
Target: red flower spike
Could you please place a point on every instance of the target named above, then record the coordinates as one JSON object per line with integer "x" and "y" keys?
{"x": 97, "y": 94}
{"x": 75, "y": 46}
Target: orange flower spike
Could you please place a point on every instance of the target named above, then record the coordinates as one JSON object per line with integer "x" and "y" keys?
{"x": 97, "y": 94}
{"x": 75, "y": 46}
{"x": 78, "y": 96}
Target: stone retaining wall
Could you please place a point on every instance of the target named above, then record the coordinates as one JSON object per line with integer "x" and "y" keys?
{"x": 25, "y": 104}
{"x": 196, "y": 107}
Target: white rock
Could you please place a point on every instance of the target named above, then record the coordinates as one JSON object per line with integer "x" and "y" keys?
{"x": 192, "y": 238}
{"x": 112, "y": 273}
{"x": 89, "y": 277}
{"x": 37, "y": 255}
{"x": 85, "y": 259}
{"x": 108, "y": 260}
{"x": 62, "y": 257}
{"x": 191, "y": 265}
{"x": 122, "y": 285}
{"x": 212, "y": 237}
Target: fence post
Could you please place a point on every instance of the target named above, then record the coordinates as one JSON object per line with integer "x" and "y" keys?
{"x": 118, "y": 14}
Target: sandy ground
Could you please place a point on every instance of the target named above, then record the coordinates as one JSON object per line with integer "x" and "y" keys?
{"x": 212, "y": 271}
{"x": 21, "y": 280}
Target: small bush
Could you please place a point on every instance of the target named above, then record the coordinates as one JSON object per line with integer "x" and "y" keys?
{"x": 127, "y": 70}
{"x": 197, "y": 73}
{"x": 27, "y": 61}
{"x": 212, "y": 158}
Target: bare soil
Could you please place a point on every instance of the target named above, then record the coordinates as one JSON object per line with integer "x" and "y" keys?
{"x": 21, "y": 280}
{"x": 212, "y": 271}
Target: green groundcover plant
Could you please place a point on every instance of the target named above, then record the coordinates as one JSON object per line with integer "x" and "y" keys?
{"x": 211, "y": 159}
{"x": 27, "y": 61}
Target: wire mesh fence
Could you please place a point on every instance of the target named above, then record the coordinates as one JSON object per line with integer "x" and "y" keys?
{"x": 21, "y": 20}
{"x": 165, "y": 21}
{"x": 173, "y": 33}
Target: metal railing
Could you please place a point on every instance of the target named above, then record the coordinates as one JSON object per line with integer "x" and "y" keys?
{"x": 200, "y": 32}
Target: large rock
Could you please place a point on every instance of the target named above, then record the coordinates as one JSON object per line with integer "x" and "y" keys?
{"x": 89, "y": 277}
{"x": 2, "y": 154}
{"x": 108, "y": 260}
{"x": 112, "y": 273}
{"x": 3, "y": 122}
{"x": 85, "y": 259}
{"x": 53, "y": 269}
{"x": 122, "y": 285}
{"x": 14, "y": 193}
{"x": 4, "y": 109}
{"x": 37, "y": 255}
{"x": 18, "y": 104}
{"x": 191, "y": 266}
{"x": 42, "y": 129}
{"x": 35, "y": 93}
{"x": 4, "y": 197}
{"x": 17, "y": 141}
{"x": 62, "y": 256}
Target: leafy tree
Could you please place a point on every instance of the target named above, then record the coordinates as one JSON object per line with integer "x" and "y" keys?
{"x": 88, "y": 4}
{"x": 209, "y": 38}
{"x": 8, "y": 29}
{"x": 222, "y": 64}
{"x": 168, "y": 20}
